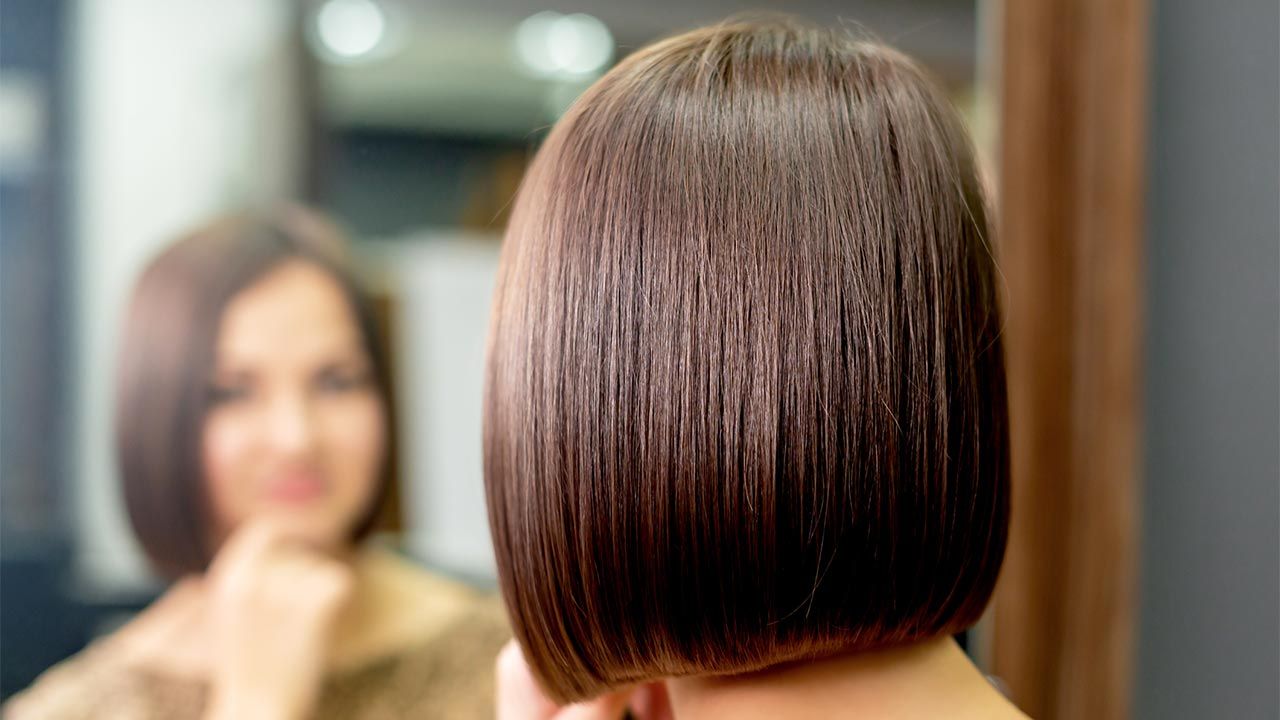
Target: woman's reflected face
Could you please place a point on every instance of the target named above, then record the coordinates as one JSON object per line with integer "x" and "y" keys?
{"x": 296, "y": 429}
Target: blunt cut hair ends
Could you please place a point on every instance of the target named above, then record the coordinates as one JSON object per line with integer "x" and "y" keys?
{"x": 746, "y": 396}
{"x": 167, "y": 358}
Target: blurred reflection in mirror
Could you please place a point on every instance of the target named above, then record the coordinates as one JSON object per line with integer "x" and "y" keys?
{"x": 253, "y": 416}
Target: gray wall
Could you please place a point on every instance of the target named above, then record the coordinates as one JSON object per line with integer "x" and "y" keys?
{"x": 1210, "y": 590}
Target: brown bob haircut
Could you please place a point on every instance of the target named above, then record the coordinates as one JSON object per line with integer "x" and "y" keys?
{"x": 746, "y": 396}
{"x": 167, "y": 361}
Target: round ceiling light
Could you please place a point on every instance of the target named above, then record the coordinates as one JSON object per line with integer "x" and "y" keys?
{"x": 555, "y": 45}
{"x": 350, "y": 29}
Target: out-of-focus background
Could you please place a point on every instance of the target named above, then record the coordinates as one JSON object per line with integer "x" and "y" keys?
{"x": 125, "y": 122}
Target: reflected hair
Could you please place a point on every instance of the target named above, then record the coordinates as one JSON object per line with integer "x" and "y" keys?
{"x": 167, "y": 360}
{"x": 745, "y": 396}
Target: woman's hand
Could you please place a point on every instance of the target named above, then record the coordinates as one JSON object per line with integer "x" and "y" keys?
{"x": 521, "y": 698}
{"x": 272, "y": 605}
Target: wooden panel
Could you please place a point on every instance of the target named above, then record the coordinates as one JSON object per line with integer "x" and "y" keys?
{"x": 1070, "y": 210}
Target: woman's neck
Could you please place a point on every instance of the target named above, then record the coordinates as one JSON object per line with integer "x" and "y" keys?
{"x": 926, "y": 680}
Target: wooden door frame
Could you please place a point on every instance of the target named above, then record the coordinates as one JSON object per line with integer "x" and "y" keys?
{"x": 1070, "y": 212}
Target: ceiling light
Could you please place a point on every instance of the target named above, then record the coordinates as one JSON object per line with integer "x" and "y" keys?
{"x": 555, "y": 45}
{"x": 350, "y": 29}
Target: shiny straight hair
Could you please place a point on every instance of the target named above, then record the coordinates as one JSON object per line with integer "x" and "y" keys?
{"x": 745, "y": 394}
{"x": 167, "y": 360}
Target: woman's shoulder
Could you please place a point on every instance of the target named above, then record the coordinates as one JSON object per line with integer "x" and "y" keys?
{"x": 457, "y": 624}
{"x": 469, "y": 623}
{"x": 448, "y": 636}
{"x": 435, "y": 602}
{"x": 446, "y": 673}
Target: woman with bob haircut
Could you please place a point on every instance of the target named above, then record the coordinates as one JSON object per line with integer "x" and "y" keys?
{"x": 746, "y": 425}
{"x": 252, "y": 423}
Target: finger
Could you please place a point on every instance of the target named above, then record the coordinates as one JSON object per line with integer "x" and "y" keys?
{"x": 519, "y": 697}
{"x": 248, "y": 543}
